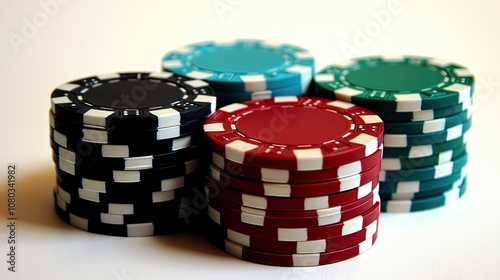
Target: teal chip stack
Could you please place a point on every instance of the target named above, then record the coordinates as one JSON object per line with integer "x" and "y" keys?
{"x": 426, "y": 107}
{"x": 243, "y": 70}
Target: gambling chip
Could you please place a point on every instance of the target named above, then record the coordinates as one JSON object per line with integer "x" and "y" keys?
{"x": 426, "y": 107}
{"x": 243, "y": 70}
{"x": 126, "y": 151}
{"x": 294, "y": 180}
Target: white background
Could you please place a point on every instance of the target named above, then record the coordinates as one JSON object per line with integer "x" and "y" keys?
{"x": 80, "y": 38}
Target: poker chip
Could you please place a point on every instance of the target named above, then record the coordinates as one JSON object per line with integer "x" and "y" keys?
{"x": 273, "y": 175}
{"x": 370, "y": 82}
{"x": 420, "y": 204}
{"x": 408, "y": 163}
{"x": 216, "y": 191}
{"x": 150, "y": 228}
{"x": 426, "y": 106}
{"x": 405, "y": 140}
{"x": 367, "y": 178}
{"x": 102, "y": 136}
{"x": 244, "y": 69}
{"x": 430, "y": 126}
{"x": 297, "y": 247}
{"x": 132, "y": 149}
{"x": 126, "y": 163}
{"x": 126, "y": 151}
{"x": 424, "y": 115}
{"x": 323, "y": 217}
{"x": 350, "y": 226}
{"x": 279, "y": 141}
{"x": 426, "y": 173}
{"x": 426, "y": 149}
{"x": 422, "y": 194}
{"x": 133, "y": 101}
{"x": 189, "y": 181}
{"x": 297, "y": 260}
{"x": 422, "y": 186}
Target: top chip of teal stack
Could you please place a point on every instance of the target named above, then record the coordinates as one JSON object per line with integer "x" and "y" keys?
{"x": 243, "y": 65}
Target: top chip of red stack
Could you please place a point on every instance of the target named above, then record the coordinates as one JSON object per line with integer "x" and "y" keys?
{"x": 294, "y": 133}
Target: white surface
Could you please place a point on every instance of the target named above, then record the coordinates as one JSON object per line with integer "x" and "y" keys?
{"x": 460, "y": 241}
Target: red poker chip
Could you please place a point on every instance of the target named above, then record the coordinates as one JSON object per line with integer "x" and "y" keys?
{"x": 223, "y": 179}
{"x": 350, "y": 226}
{"x": 294, "y": 133}
{"x": 296, "y": 219}
{"x": 298, "y": 247}
{"x": 273, "y": 175}
{"x": 300, "y": 260}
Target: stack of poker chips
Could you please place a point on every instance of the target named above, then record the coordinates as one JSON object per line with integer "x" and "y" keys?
{"x": 425, "y": 104}
{"x": 294, "y": 180}
{"x": 243, "y": 70}
{"x": 125, "y": 146}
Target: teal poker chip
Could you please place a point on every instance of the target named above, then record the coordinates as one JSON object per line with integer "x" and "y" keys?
{"x": 421, "y": 185}
{"x": 243, "y": 65}
{"x": 426, "y": 173}
{"x": 425, "y": 127}
{"x": 406, "y": 140}
{"x": 421, "y": 194}
{"x": 397, "y": 83}
{"x": 414, "y": 205}
{"x": 409, "y": 163}
{"x": 424, "y": 115}
{"x": 425, "y": 149}
{"x": 226, "y": 97}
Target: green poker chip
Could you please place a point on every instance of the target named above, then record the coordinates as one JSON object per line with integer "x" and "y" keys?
{"x": 397, "y": 84}
{"x": 409, "y": 163}
{"x": 424, "y": 115}
{"x": 422, "y": 185}
{"x": 406, "y": 140}
{"x": 421, "y": 204}
{"x": 425, "y": 149}
{"x": 427, "y": 173}
{"x": 425, "y": 127}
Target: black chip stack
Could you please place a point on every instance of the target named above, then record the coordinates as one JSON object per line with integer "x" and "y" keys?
{"x": 127, "y": 150}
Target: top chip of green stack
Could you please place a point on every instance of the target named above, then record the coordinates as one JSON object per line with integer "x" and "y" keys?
{"x": 397, "y": 84}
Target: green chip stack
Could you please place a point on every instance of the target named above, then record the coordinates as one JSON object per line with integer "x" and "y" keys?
{"x": 426, "y": 107}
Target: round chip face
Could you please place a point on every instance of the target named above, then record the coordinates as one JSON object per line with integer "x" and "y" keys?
{"x": 397, "y": 83}
{"x": 243, "y": 65}
{"x": 295, "y": 133}
{"x": 138, "y": 101}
